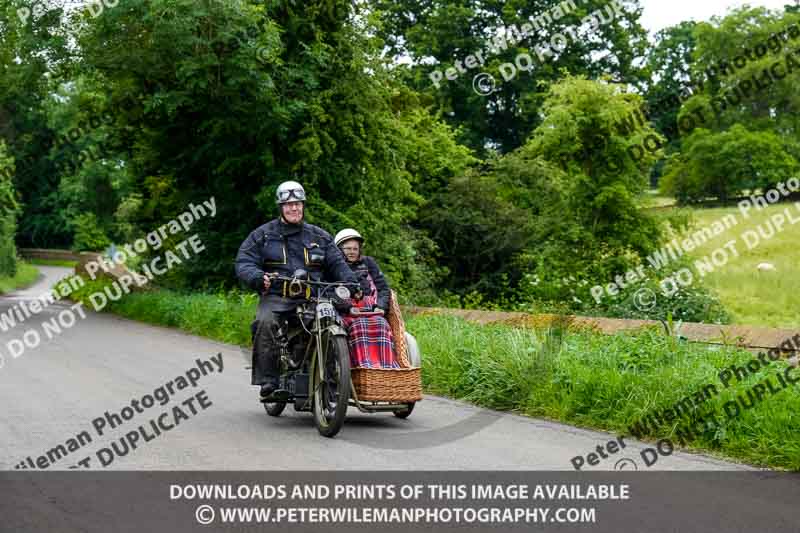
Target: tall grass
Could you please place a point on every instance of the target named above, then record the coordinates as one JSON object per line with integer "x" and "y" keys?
{"x": 606, "y": 382}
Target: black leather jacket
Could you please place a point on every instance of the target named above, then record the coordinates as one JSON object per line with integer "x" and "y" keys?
{"x": 283, "y": 248}
{"x": 364, "y": 265}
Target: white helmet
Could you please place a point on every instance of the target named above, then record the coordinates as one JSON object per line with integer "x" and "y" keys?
{"x": 290, "y": 191}
{"x": 347, "y": 234}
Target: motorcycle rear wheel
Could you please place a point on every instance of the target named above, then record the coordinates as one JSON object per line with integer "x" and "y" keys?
{"x": 330, "y": 402}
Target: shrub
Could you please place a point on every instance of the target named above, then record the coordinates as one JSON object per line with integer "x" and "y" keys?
{"x": 8, "y": 216}
{"x": 89, "y": 236}
{"x": 646, "y": 299}
{"x": 8, "y": 251}
{"x": 540, "y": 292}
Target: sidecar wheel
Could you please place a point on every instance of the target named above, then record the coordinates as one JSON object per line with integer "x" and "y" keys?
{"x": 414, "y": 355}
{"x": 404, "y": 413}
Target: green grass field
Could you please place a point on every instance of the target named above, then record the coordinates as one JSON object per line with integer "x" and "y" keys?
{"x": 26, "y": 275}
{"x": 753, "y": 297}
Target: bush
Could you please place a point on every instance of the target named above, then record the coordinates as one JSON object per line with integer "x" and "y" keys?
{"x": 694, "y": 303}
{"x": 575, "y": 195}
{"x": 89, "y": 236}
{"x": 476, "y": 231}
{"x": 8, "y": 216}
{"x": 8, "y": 251}
{"x": 643, "y": 299}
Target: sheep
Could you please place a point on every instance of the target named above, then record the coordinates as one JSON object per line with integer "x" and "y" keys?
{"x": 766, "y": 267}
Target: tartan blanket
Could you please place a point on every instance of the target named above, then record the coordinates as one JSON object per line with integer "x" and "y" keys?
{"x": 370, "y": 341}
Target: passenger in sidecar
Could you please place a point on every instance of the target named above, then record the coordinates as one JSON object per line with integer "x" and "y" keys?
{"x": 370, "y": 338}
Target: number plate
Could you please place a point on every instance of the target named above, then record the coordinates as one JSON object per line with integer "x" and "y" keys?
{"x": 326, "y": 310}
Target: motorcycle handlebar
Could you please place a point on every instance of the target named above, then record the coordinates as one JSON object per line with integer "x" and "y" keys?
{"x": 278, "y": 277}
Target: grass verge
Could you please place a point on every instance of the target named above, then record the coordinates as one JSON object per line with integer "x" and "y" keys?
{"x": 224, "y": 317}
{"x": 26, "y": 275}
{"x": 53, "y": 262}
{"x": 577, "y": 377}
{"x": 608, "y": 382}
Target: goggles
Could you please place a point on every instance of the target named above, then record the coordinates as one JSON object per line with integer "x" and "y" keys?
{"x": 298, "y": 194}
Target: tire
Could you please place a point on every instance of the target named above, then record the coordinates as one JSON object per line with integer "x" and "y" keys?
{"x": 404, "y": 413}
{"x": 275, "y": 408}
{"x": 330, "y": 408}
{"x": 414, "y": 355}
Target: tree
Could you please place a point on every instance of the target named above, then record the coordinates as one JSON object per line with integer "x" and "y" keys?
{"x": 33, "y": 49}
{"x": 722, "y": 165}
{"x": 669, "y": 63}
{"x": 228, "y": 99}
{"x": 8, "y": 214}
{"x": 565, "y": 203}
{"x": 748, "y": 70}
{"x": 477, "y": 230}
{"x": 576, "y": 173}
{"x": 425, "y": 37}
{"x": 734, "y": 38}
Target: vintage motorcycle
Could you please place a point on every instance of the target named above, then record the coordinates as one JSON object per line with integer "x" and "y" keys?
{"x": 314, "y": 358}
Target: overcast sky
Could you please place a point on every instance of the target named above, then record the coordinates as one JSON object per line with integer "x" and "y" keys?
{"x": 659, "y": 14}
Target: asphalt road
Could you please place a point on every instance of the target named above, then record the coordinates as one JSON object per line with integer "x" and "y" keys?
{"x": 52, "y": 393}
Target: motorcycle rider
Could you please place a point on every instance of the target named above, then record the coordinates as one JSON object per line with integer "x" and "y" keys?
{"x": 282, "y": 246}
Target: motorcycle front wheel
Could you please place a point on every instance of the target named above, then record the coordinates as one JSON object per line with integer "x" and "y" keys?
{"x": 331, "y": 394}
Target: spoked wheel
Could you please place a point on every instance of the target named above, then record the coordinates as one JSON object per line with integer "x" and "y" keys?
{"x": 404, "y": 413}
{"x": 274, "y": 408}
{"x": 331, "y": 394}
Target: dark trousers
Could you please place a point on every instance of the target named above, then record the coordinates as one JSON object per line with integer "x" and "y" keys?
{"x": 265, "y": 343}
